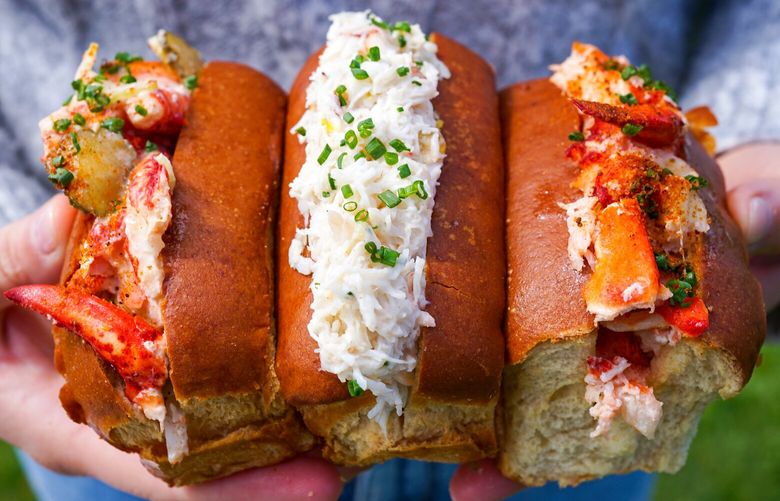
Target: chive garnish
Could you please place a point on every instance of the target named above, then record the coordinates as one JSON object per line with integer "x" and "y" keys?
{"x": 632, "y": 129}
{"x": 389, "y": 198}
{"x": 191, "y": 82}
{"x": 61, "y": 176}
{"x": 354, "y": 388}
{"x": 373, "y": 54}
{"x": 399, "y": 145}
{"x": 351, "y": 138}
{"x": 402, "y": 71}
{"x": 114, "y": 124}
{"x": 376, "y": 148}
{"x": 141, "y": 110}
{"x": 348, "y": 117}
{"x": 404, "y": 171}
{"x": 340, "y": 160}
{"x": 697, "y": 182}
{"x": 349, "y": 206}
{"x": 629, "y": 99}
{"x": 346, "y": 191}
{"x": 62, "y": 124}
{"x": 576, "y": 136}
{"x": 324, "y": 155}
{"x": 391, "y": 158}
{"x": 79, "y": 119}
{"x": 362, "y": 215}
{"x": 301, "y": 131}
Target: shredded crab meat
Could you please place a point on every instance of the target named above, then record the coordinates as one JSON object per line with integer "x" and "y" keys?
{"x": 367, "y": 315}
{"x": 612, "y": 393}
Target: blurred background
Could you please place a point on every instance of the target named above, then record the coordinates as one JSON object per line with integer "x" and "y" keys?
{"x": 725, "y": 54}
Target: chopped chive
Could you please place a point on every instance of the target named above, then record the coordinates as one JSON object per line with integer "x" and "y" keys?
{"x": 346, "y": 191}
{"x": 416, "y": 188}
{"x": 419, "y": 63}
{"x": 576, "y": 136}
{"x": 114, "y": 124}
{"x": 340, "y": 160}
{"x": 417, "y": 83}
{"x": 79, "y": 119}
{"x": 61, "y": 176}
{"x": 126, "y": 58}
{"x": 141, "y": 110}
{"x": 324, "y": 155}
{"x": 697, "y": 182}
{"x": 127, "y": 79}
{"x": 62, "y": 124}
{"x": 402, "y": 71}
{"x": 362, "y": 215}
{"x": 150, "y": 146}
{"x": 399, "y": 145}
{"x": 373, "y": 54}
{"x": 340, "y": 90}
{"x": 391, "y": 158}
{"x": 351, "y": 138}
{"x": 404, "y": 171}
{"x": 67, "y": 100}
{"x": 301, "y": 131}
{"x": 359, "y": 73}
{"x": 75, "y": 140}
{"x": 628, "y": 72}
{"x": 191, "y": 82}
{"x": 348, "y": 117}
{"x": 376, "y": 148}
{"x": 389, "y": 198}
{"x": 325, "y": 194}
{"x": 402, "y": 41}
{"x": 378, "y": 22}
{"x": 399, "y": 109}
{"x": 331, "y": 182}
{"x": 57, "y": 161}
{"x": 632, "y": 129}
{"x": 360, "y": 154}
{"x": 349, "y": 206}
{"x": 370, "y": 247}
{"x": 354, "y": 388}
{"x": 629, "y": 99}
{"x": 662, "y": 261}
{"x": 403, "y": 26}
{"x": 364, "y": 127}
{"x": 386, "y": 256}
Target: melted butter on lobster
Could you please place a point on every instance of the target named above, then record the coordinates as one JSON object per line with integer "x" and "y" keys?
{"x": 637, "y": 225}
{"x": 107, "y": 147}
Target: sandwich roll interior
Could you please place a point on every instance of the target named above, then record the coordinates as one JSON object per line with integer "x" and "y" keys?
{"x": 630, "y": 303}
{"x": 392, "y": 155}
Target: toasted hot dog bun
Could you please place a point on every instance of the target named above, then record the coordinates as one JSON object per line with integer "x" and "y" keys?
{"x": 450, "y": 414}
{"x": 218, "y": 312}
{"x": 550, "y": 333}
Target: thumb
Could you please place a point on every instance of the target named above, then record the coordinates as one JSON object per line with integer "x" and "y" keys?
{"x": 755, "y": 205}
{"x": 32, "y": 248}
{"x": 481, "y": 481}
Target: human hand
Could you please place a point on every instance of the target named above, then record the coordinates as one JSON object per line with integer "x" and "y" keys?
{"x": 31, "y": 251}
{"x": 752, "y": 173}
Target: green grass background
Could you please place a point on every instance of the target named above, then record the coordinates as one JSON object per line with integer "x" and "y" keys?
{"x": 735, "y": 456}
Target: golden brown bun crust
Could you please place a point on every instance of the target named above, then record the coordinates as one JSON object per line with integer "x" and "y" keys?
{"x": 544, "y": 292}
{"x": 544, "y": 296}
{"x": 466, "y": 262}
{"x": 217, "y": 342}
{"x": 297, "y": 365}
{"x": 465, "y": 275}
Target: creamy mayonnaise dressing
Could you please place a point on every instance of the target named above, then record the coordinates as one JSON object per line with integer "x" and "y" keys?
{"x": 366, "y": 313}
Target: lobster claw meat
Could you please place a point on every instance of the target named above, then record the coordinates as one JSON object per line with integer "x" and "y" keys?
{"x": 132, "y": 346}
{"x": 661, "y": 127}
{"x": 625, "y": 277}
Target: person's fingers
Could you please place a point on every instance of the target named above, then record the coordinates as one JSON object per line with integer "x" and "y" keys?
{"x": 767, "y": 271}
{"x": 755, "y": 206}
{"x": 749, "y": 162}
{"x": 481, "y": 481}
{"x": 32, "y": 248}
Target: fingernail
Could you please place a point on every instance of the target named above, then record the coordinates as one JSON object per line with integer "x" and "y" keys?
{"x": 759, "y": 219}
{"x": 43, "y": 232}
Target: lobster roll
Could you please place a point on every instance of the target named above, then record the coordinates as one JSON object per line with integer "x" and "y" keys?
{"x": 630, "y": 302}
{"x": 391, "y": 249}
{"x": 164, "y": 324}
